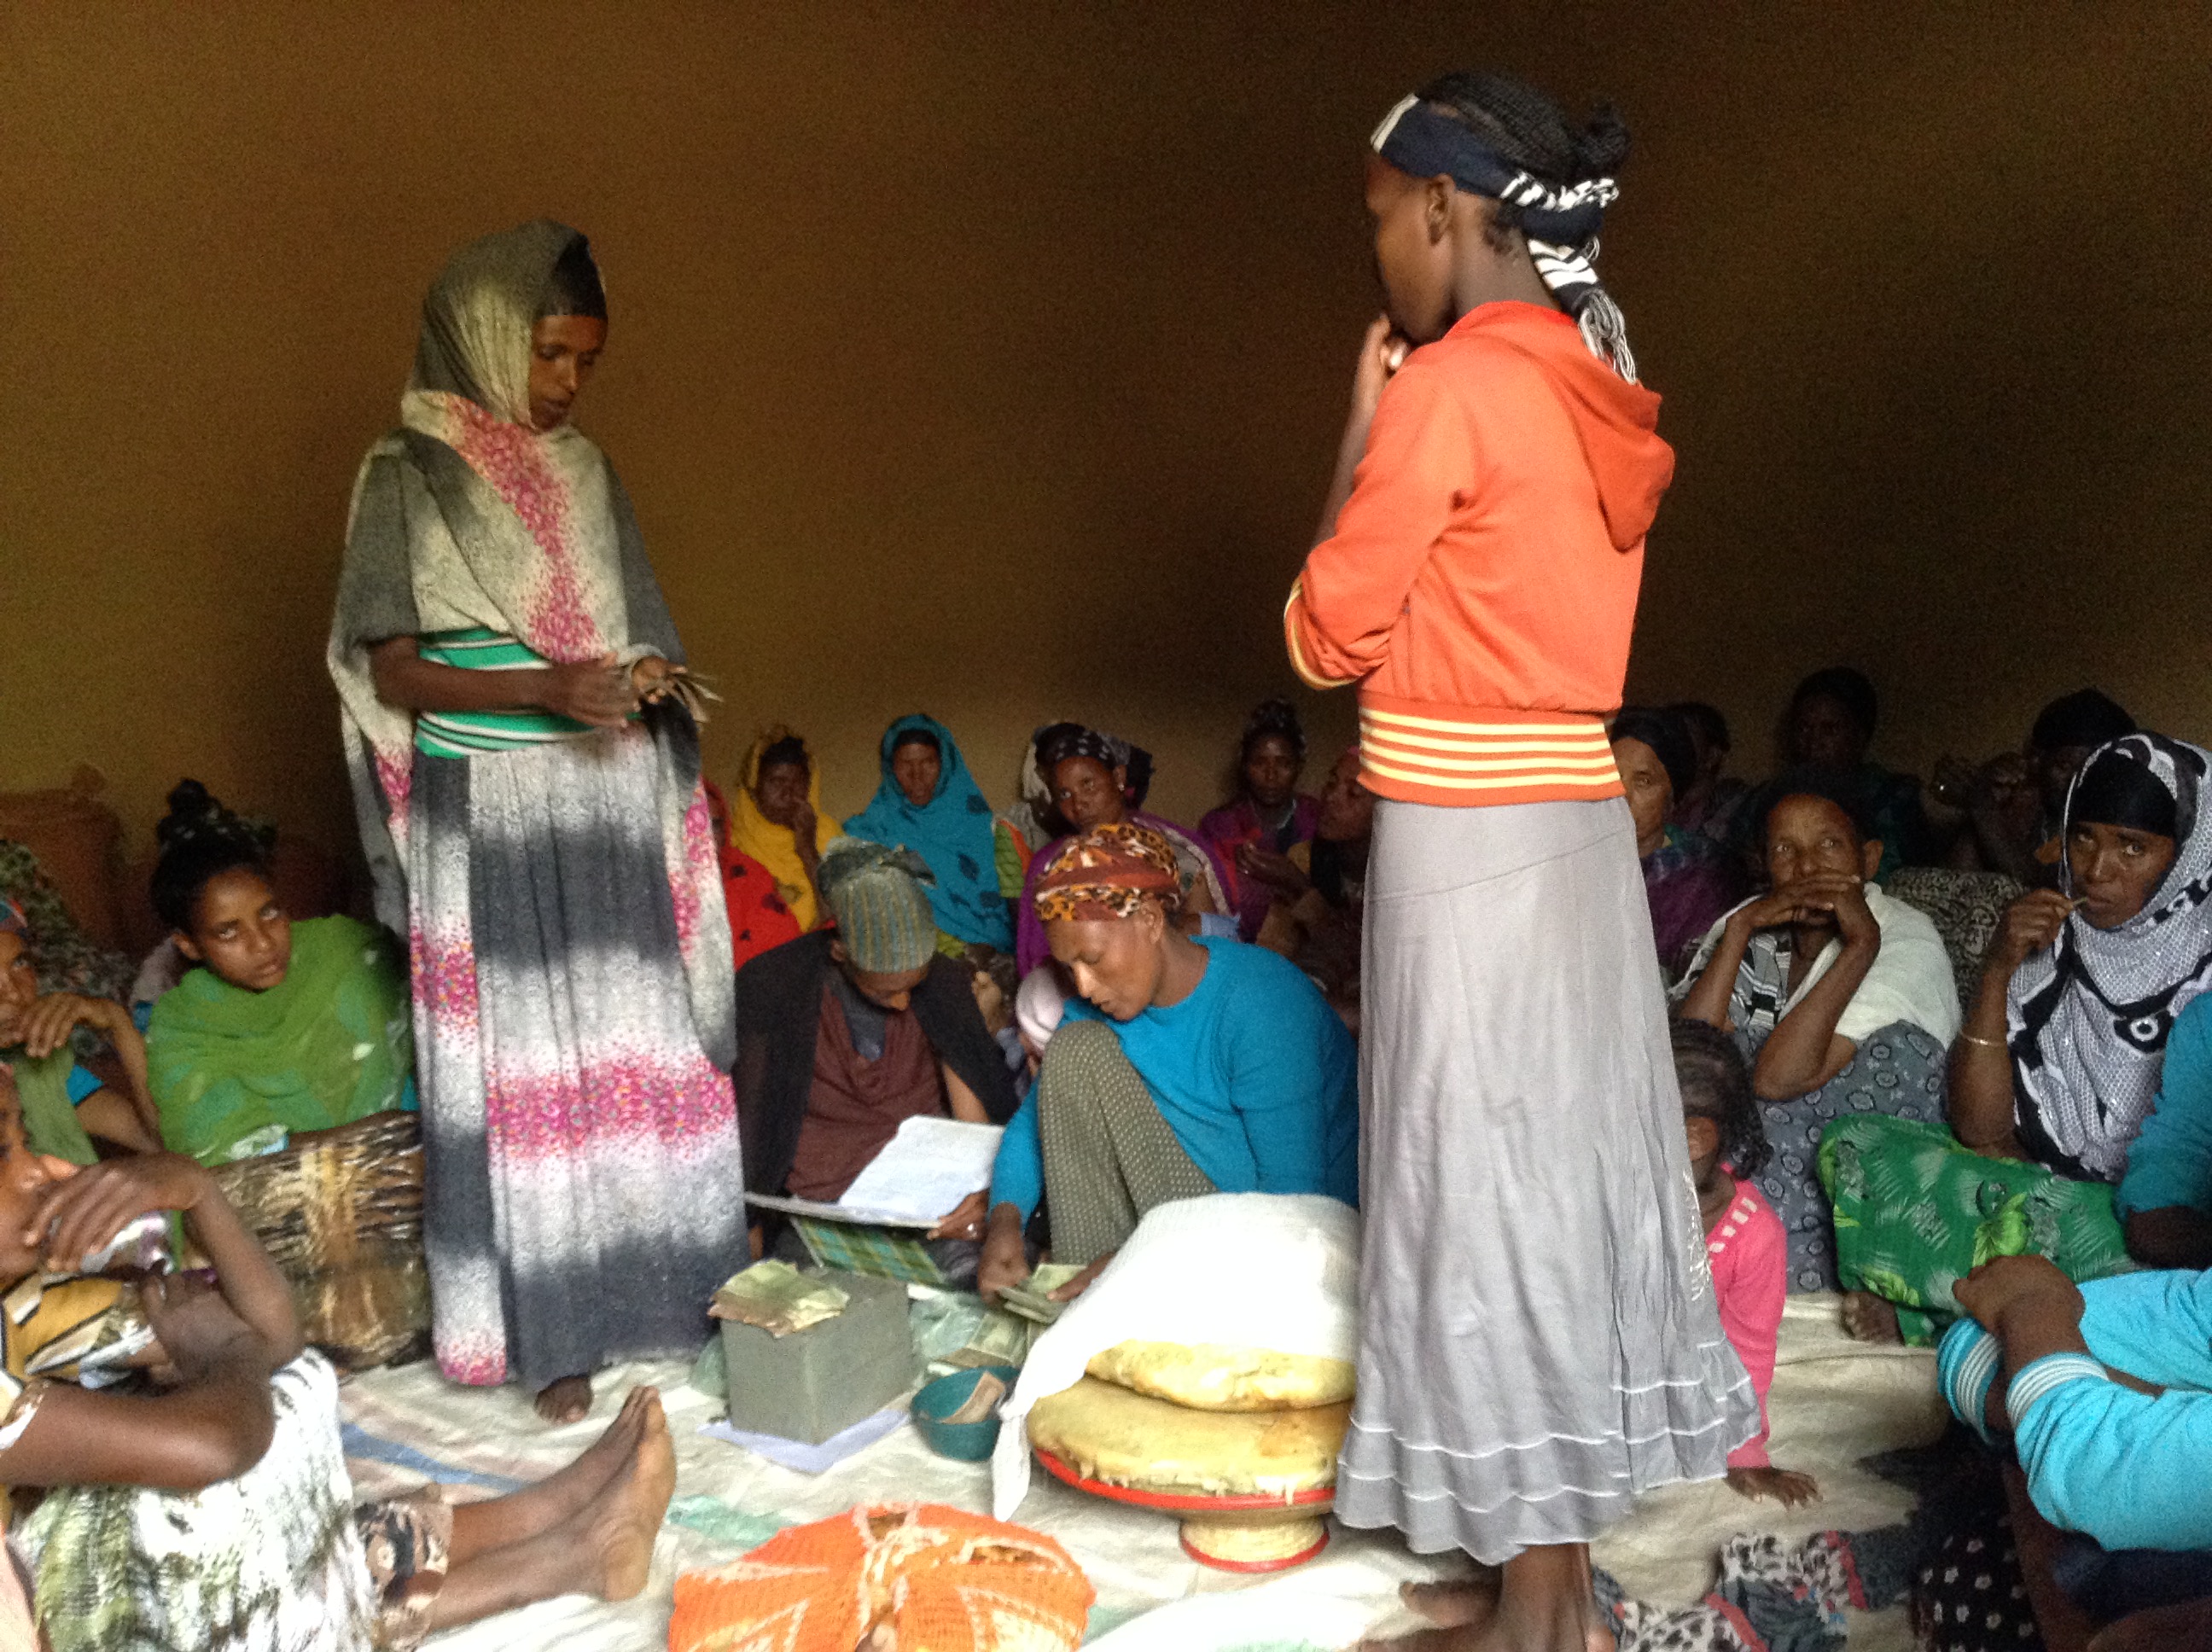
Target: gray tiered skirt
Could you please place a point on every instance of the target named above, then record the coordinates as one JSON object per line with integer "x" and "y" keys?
{"x": 1539, "y": 1340}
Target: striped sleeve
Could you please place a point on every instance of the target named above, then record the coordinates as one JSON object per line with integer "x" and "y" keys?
{"x": 1298, "y": 632}
{"x": 2107, "y": 1461}
{"x": 466, "y": 733}
{"x": 1420, "y": 460}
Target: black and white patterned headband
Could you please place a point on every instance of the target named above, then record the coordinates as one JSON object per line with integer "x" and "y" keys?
{"x": 1560, "y": 221}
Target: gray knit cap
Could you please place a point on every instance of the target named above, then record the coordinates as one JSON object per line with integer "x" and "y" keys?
{"x": 883, "y": 914}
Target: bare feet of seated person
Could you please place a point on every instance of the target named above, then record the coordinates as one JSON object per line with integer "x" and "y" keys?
{"x": 567, "y": 1400}
{"x": 567, "y": 1491}
{"x": 588, "y": 1529}
{"x": 1869, "y": 1318}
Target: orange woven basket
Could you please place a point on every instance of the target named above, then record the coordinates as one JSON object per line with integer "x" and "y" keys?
{"x": 896, "y": 1578}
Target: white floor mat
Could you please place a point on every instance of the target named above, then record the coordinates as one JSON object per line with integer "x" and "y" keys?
{"x": 1833, "y": 1402}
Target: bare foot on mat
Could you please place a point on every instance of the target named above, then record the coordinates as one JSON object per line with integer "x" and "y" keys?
{"x": 1868, "y": 1318}
{"x": 575, "y": 1486}
{"x": 1452, "y": 1605}
{"x": 1785, "y": 1486}
{"x": 567, "y": 1400}
{"x": 620, "y": 1525}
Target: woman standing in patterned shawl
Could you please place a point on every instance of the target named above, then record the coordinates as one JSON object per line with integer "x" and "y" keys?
{"x": 527, "y": 777}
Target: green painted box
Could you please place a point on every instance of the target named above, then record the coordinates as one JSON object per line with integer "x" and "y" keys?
{"x": 818, "y": 1382}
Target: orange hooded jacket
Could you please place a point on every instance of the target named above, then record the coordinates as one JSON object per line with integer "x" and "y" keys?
{"x": 1481, "y": 586}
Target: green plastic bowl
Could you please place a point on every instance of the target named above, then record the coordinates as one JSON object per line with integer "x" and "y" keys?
{"x": 968, "y": 1442}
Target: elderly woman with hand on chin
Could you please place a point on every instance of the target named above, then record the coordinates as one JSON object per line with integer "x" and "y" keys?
{"x": 1186, "y": 1067}
{"x": 1841, "y": 998}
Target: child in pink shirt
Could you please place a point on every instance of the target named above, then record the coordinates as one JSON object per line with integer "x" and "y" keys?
{"x": 1744, "y": 1241}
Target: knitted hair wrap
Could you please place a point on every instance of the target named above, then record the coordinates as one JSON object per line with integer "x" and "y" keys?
{"x": 1560, "y": 219}
{"x": 1109, "y": 871}
{"x": 882, "y": 911}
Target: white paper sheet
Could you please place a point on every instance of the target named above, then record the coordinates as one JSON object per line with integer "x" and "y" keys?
{"x": 926, "y": 1169}
{"x": 930, "y": 1166}
{"x": 812, "y": 1459}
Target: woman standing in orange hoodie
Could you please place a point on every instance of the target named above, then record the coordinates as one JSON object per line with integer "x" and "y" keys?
{"x": 1539, "y": 1338}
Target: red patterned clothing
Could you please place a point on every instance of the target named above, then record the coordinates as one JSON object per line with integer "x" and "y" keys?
{"x": 759, "y": 920}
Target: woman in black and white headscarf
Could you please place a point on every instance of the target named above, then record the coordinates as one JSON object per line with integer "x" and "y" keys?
{"x": 2059, "y": 1064}
{"x": 2061, "y": 1055}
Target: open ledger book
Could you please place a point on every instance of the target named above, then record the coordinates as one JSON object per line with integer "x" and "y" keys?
{"x": 926, "y": 1169}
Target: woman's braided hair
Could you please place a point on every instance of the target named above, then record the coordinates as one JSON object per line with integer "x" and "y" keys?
{"x": 201, "y": 840}
{"x": 1715, "y": 1084}
{"x": 1528, "y": 129}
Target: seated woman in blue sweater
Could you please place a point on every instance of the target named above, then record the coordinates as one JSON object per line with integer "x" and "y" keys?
{"x": 2106, "y": 1390}
{"x": 1183, "y": 1067}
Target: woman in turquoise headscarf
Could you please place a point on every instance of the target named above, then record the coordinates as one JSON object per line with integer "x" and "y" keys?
{"x": 927, "y": 802}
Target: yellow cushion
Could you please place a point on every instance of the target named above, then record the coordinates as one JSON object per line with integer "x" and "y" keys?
{"x": 1208, "y": 1376}
{"x": 1105, "y": 1432}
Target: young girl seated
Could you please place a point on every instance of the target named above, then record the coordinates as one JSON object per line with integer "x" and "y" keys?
{"x": 1744, "y": 1241}
{"x": 759, "y": 920}
{"x": 65, "y": 1105}
{"x": 283, "y": 1030}
{"x": 212, "y": 1510}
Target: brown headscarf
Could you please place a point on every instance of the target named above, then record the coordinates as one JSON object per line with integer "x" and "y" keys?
{"x": 1109, "y": 871}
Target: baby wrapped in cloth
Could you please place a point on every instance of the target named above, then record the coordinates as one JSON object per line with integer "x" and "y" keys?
{"x": 1213, "y": 1356}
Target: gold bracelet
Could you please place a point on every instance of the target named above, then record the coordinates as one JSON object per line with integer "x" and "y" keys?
{"x": 1986, "y": 1043}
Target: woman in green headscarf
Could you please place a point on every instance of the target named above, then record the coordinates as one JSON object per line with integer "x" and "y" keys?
{"x": 285, "y": 1029}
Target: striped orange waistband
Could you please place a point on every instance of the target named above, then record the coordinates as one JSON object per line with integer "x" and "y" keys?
{"x": 1418, "y": 753}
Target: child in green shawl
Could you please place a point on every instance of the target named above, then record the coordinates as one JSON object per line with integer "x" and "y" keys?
{"x": 65, "y": 1106}
{"x": 285, "y": 1029}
